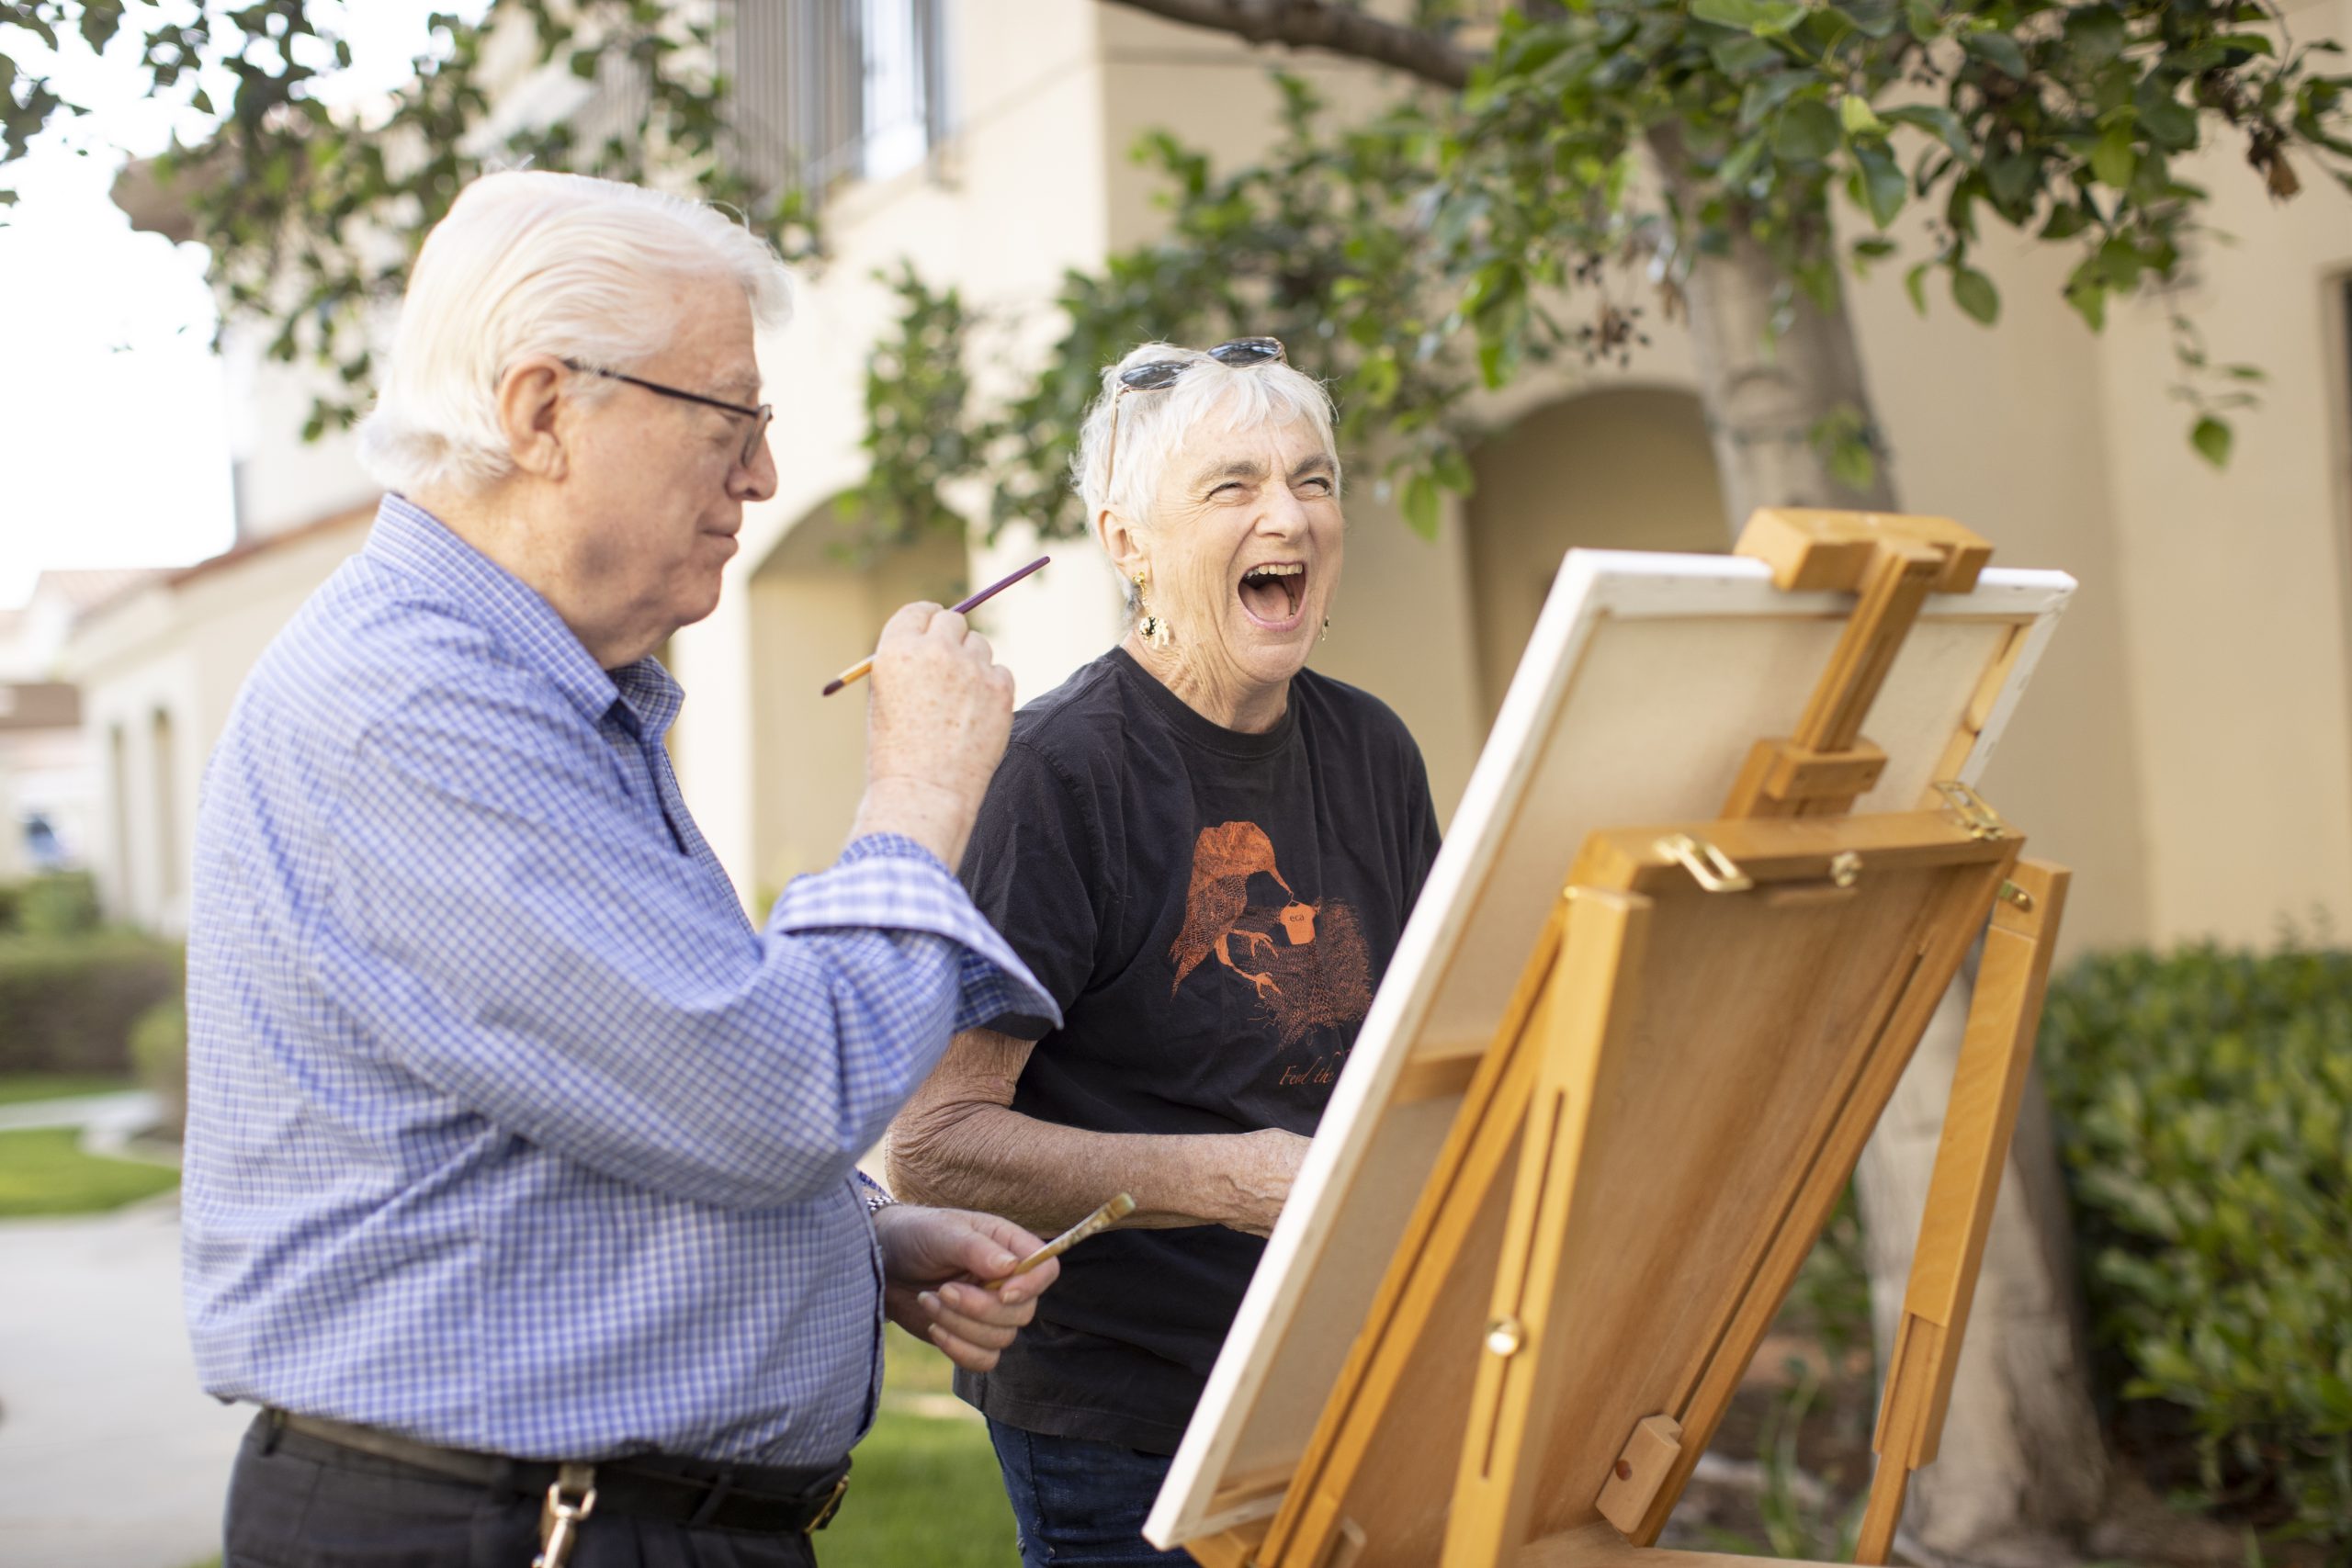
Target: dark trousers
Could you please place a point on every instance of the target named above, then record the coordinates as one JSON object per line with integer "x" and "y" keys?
{"x": 296, "y": 1502}
{"x": 1079, "y": 1503}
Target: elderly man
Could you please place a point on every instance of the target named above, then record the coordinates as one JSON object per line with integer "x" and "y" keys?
{"x": 519, "y": 1187}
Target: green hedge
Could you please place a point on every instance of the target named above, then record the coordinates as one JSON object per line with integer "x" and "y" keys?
{"x": 63, "y": 904}
{"x": 67, "y": 1004}
{"x": 2205, "y": 1107}
{"x": 159, "y": 1052}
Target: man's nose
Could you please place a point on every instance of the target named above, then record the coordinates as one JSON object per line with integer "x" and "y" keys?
{"x": 757, "y": 479}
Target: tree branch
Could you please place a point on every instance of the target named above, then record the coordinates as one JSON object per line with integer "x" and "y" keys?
{"x": 1336, "y": 29}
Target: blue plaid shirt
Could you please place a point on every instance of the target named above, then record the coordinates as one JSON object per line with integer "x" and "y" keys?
{"x": 507, "y": 1130}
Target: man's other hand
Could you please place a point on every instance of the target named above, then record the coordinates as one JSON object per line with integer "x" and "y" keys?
{"x": 934, "y": 1261}
{"x": 937, "y": 715}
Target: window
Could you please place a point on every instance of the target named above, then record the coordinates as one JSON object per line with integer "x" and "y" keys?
{"x": 825, "y": 91}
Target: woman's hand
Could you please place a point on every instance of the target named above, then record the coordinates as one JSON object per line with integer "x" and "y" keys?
{"x": 1258, "y": 1176}
{"x": 932, "y": 1262}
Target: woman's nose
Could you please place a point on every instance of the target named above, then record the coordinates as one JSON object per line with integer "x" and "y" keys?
{"x": 1283, "y": 512}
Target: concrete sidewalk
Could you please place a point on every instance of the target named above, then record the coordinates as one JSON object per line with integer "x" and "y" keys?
{"x": 110, "y": 1456}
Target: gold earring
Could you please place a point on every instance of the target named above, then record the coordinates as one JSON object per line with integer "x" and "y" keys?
{"x": 1327, "y": 630}
{"x": 1154, "y": 626}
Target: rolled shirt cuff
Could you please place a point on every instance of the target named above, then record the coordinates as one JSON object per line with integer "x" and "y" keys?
{"x": 888, "y": 882}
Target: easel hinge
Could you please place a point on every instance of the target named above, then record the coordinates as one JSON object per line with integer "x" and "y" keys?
{"x": 1975, "y": 812}
{"x": 1709, "y": 866}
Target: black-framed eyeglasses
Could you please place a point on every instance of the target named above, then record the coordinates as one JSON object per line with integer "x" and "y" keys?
{"x": 1158, "y": 374}
{"x": 761, "y": 417}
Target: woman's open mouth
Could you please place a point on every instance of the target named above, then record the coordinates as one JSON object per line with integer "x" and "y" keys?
{"x": 1272, "y": 593}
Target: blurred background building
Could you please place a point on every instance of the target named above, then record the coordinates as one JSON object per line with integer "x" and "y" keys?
{"x": 2188, "y": 746}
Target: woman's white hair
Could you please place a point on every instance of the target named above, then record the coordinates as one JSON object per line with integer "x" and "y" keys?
{"x": 536, "y": 263}
{"x": 1152, "y": 425}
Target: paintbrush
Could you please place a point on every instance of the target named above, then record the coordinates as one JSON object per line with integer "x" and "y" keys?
{"x": 1101, "y": 1219}
{"x": 864, "y": 667}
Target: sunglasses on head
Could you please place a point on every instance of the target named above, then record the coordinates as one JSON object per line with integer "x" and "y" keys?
{"x": 1158, "y": 374}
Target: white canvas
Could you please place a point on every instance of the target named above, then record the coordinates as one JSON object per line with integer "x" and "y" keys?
{"x": 1646, "y": 683}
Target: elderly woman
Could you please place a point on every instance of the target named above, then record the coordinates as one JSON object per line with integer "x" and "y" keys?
{"x": 1205, "y": 852}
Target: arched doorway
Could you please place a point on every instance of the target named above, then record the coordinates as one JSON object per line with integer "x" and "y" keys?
{"x": 1629, "y": 468}
{"x": 818, "y": 605}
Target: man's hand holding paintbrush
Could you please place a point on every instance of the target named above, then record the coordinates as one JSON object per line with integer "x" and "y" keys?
{"x": 935, "y": 725}
{"x": 950, "y": 1250}
{"x": 932, "y": 1259}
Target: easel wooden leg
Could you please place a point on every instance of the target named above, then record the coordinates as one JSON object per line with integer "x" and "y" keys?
{"x": 1525, "y": 1329}
{"x": 1987, "y": 1086}
{"x": 1308, "y": 1529}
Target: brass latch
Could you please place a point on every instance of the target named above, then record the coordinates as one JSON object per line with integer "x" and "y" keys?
{"x": 1980, "y": 820}
{"x": 1709, "y": 866}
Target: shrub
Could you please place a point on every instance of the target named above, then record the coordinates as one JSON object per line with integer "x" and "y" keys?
{"x": 159, "y": 1052}
{"x": 2205, "y": 1104}
{"x": 63, "y": 904}
{"x": 67, "y": 1003}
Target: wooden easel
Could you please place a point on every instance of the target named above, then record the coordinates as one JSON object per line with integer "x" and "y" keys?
{"x": 1786, "y": 956}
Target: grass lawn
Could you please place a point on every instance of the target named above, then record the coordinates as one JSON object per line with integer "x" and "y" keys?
{"x": 16, "y": 1088}
{"x": 43, "y": 1172}
{"x": 923, "y": 1486}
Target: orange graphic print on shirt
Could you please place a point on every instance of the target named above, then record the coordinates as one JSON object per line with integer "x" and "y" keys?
{"x": 1305, "y": 963}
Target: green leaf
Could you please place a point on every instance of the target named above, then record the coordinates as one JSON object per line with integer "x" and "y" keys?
{"x": 2088, "y": 295}
{"x": 1806, "y": 131}
{"x": 1420, "y": 505}
{"x": 1854, "y": 113}
{"x": 2095, "y": 35}
{"x": 1767, "y": 92}
{"x": 1871, "y": 18}
{"x": 1883, "y": 187}
{"x": 2066, "y": 220}
{"x": 1974, "y": 292}
{"x": 2000, "y": 52}
{"x": 1762, "y": 17}
{"x": 1737, "y": 163}
{"x": 2212, "y": 438}
{"x": 2014, "y": 179}
{"x": 2170, "y": 124}
{"x": 2115, "y": 157}
{"x": 1743, "y": 54}
{"x": 1940, "y": 122}
{"x": 1914, "y": 283}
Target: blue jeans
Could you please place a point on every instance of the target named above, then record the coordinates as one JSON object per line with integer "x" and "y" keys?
{"x": 1079, "y": 1503}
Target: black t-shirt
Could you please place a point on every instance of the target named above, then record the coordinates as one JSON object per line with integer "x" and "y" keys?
{"x": 1213, "y": 911}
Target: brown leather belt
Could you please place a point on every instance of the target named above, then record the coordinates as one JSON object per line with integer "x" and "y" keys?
{"x": 769, "y": 1499}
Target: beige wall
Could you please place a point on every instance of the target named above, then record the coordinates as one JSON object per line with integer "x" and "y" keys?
{"x": 1016, "y": 198}
{"x": 1621, "y": 468}
{"x": 2236, "y": 580}
{"x": 180, "y": 650}
{"x": 813, "y": 611}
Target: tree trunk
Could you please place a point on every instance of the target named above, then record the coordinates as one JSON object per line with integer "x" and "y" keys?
{"x": 2022, "y": 1473}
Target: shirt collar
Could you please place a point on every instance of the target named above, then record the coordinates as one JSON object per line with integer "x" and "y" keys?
{"x": 413, "y": 541}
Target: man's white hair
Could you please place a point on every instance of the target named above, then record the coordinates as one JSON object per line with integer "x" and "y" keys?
{"x": 1152, "y": 425}
{"x": 535, "y": 263}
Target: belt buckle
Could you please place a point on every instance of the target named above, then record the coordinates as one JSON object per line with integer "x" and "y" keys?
{"x": 832, "y": 1505}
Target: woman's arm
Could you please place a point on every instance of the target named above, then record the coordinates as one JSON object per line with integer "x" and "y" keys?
{"x": 959, "y": 1143}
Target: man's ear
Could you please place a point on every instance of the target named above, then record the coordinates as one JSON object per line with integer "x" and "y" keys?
{"x": 530, "y": 402}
